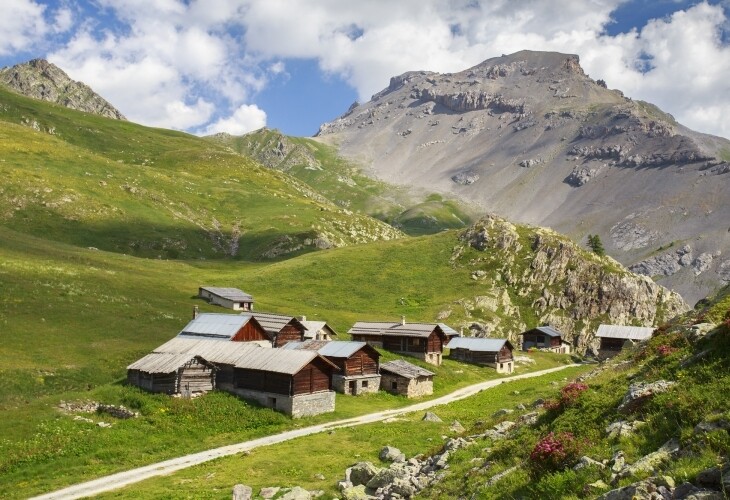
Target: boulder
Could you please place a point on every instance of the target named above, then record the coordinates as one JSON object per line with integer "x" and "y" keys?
{"x": 529, "y": 418}
{"x": 716, "y": 477}
{"x": 431, "y": 417}
{"x": 652, "y": 461}
{"x": 361, "y": 473}
{"x": 640, "y": 392}
{"x": 716, "y": 425}
{"x": 269, "y": 492}
{"x": 356, "y": 493}
{"x": 504, "y": 427}
{"x": 403, "y": 487}
{"x": 386, "y": 476}
{"x": 242, "y": 492}
{"x": 588, "y": 462}
{"x": 688, "y": 491}
{"x": 457, "y": 427}
{"x": 296, "y": 493}
{"x": 392, "y": 454}
{"x": 623, "y": 428}
{"x": 504, "y": 411}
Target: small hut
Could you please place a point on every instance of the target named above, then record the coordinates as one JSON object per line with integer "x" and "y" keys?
{"x": 496, "y": 353}
{"x": 545, "y": 338}
{"x": 171, "y": 373}
{"x": 317, "y": 330}
{"x": 281, "y": 328}
{"x": 614, "y": 338}
{"x": 406, "y": 379}
{"x": 232, "y": 298}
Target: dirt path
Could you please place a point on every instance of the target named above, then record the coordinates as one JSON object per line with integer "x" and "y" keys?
{"x": 126, "y": 478}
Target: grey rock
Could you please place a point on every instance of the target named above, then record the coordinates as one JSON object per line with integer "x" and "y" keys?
{"x": 529, "y": 418}
{"x": 717, "y": 478}
{"x": 711, "y": 426}
{"x": 361, "y": 473}
{"x": 431, "y": 417}
{"x": 502, "y": 412}
{"x": 521, "y": 407}
{"x": 666, "y": 264}
{"x": 403, "y": 487}
{"x": 465, "y": 178}
{"x": 623, "y": 428}
{"x": 504, "y": 427}
{"x": 723, "y": 271}
{"x": 688, "y": 491}
{"x": 588, "y": 462}
{"x": 639, "y": 392}
{"x": 457, "y": 427}
{"x": 296, "y": 493}
{"x": 269, "y": 492}
{"x": 242, "y": 492}
{"x": 652, "y": 461}
{"x": 386, "y": 476}
{"x": 356, "y": 493}
{"x": 538, "y": 403}
{"x": 392, "y": 454}
{"x": 497, "y": 477}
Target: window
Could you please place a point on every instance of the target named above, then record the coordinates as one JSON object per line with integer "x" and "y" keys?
{"x": 364, "y": 384}
{"x": 394, "y": 385}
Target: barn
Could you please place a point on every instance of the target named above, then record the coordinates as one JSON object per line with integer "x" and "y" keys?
{"x": 280, "y": 328}
{"x": 422, "y": 340}
{"x": 406, "y": 379}
{"x": 358, "y": 363}
{"x": 219, "y": 326}
{"x": 545, "y": 338}
{"x": 298, "y": 383}
{"x": 613, "y": 338}
{"x": 232, "y": 298}
{"x": 496, "y": 353}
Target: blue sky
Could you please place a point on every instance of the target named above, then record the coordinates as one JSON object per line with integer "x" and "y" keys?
{"x": 236, "y": 65}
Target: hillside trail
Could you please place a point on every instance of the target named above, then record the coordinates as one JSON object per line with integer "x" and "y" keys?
{"x": 122, "y": 479}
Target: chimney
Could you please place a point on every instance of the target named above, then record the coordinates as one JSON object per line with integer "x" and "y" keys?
{"x": 302, "y": 318}
{"x": 402, "y": 320}
{"x": 195, "y": 312}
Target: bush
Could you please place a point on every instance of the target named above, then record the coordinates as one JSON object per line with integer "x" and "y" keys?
{"x": 554, "y": 452}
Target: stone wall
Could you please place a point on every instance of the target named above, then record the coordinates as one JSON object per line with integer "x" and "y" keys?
{"x": 364, "y": 384}
{"x": 302, "y": 405}
{"x": 411, "y": 388}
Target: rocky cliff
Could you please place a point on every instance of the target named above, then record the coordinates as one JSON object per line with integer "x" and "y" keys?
{"x": 521, "y": 270}
{"x": 40, "y": 79}
{"x": 533, "y": 138}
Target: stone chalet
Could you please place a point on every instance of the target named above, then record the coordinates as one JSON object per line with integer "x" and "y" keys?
{"x": 358, "y": 363}
{"x": 232, "y": 298}
{"x": 546, "y": 338}
{"x": 613, "y": 338}
{"x": 406, "y": 379}
{"x": 422, "y": 340}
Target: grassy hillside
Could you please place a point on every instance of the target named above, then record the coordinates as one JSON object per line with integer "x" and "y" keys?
{"x": 117, "y": 186}
{"x": 341, "y": 181}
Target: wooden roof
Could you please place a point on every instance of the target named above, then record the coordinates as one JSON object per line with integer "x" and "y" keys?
{"x": 161, "y": 362}
{"x": 478, "y": 344}
{"x": 394, "y": 329}
{"x": 274, "y": 323}
{"x": 624, "y": 332}
{"x": 405, "y": 369}
{"x": 233, "y": 294}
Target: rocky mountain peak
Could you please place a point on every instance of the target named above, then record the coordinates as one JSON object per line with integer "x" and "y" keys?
{"x": 531, "y": 137}
{"x": 43, "y": 80}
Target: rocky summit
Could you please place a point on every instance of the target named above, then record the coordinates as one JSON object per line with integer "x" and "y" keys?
{"x": 40, "y": 79}
{"x": 533, "y": 138}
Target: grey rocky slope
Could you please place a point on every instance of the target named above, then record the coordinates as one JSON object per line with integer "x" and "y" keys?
{"x": 531, "y": 137}
{"x": 43, "y": 80}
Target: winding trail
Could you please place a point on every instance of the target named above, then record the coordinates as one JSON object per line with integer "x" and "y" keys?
{"x": 122, "y": 479}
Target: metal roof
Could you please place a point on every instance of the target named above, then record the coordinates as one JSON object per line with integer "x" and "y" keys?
{"x": 274, "y": 323}
{"x": 405, "y": 369}
{"x": 229, "y": 293}
{"x": 215, "y": 325}
{"x": 395, "y": 329}
{"x": 161, "y": 362}
{"x": 450, "y": 332}
{"x": 239, "y": 354}
{"x": 328, "y": 348}
{"x": 547, "y": 330}
{"x": 624, "y": 332}
{"x": 478, "y": 344}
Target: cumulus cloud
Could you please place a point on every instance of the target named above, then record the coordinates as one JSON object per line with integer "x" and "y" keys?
{"x": 195, "y": 64}
{"x": 245, "y": 119}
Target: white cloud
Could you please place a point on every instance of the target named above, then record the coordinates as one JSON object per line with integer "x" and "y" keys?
{"x": 245, "y": 119}
{"x": 22, "y": 24}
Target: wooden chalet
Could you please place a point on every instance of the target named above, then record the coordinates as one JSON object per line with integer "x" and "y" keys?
{"x": 406, "y": 379}
{"x": 613, "y": 338}
{"x": 232, "y": 298}
{"x": 280, "y": 328}
{"x": 496, "y": 353}
{"x": 422, "y": 340}
{"x": 317, "y": 330}
{"x": 232, "y": 327}
{"x": 298, "y": 383}
{"x": 545, "y": 338}
{"x": 358, "y": 363}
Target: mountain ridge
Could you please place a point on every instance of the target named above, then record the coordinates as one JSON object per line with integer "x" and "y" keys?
{"x": 531, "y": 137}
{"x": 43, "y": 80}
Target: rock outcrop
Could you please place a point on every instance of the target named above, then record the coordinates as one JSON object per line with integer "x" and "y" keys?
{"x": 40, "y": 79}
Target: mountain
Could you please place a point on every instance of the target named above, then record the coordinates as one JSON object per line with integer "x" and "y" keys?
{"x": 531, "y": 137}
{"x": 40, "y": 79}
{"x": 414, "y": 211}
